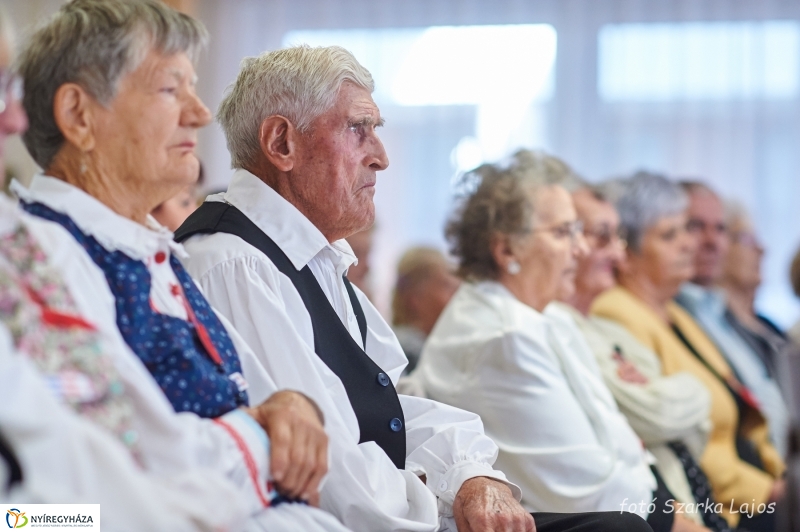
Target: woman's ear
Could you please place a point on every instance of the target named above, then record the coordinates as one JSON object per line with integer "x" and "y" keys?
{"x": 73, "y": 111}
{"x": 502, "y": 250}
{"x": 278, "y": 139}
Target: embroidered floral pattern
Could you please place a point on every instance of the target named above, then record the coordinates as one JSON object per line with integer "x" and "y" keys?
{"x": 44, "y": 323}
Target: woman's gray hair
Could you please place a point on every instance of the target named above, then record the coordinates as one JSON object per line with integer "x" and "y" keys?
{"x": 642, "y": 200}
{"x": 94, "y": 43}
{"x": 501, "y": 202}
{"x": 546, "y": 169}
{"x": 299, "y": 83}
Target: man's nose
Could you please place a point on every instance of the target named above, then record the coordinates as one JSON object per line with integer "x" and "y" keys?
{"x": 379, "y": 160}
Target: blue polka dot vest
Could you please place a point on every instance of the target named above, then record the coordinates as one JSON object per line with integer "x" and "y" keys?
{"x": 170, "y": 348}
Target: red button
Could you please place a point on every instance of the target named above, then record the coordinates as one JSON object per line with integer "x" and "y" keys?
{"x": 161, "y": 257}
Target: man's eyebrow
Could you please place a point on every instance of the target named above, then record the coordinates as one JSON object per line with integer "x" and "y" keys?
{"x": 366, "y": 121}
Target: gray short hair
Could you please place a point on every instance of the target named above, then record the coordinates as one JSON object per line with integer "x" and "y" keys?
{"x": 299, "y": 83}
{"x": 94, "y": 43}
{"x": 642, "y": 200}
{"x": 501, "y": 202}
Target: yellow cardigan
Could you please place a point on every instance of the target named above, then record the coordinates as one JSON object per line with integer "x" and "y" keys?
{"x": 731, "y": 479}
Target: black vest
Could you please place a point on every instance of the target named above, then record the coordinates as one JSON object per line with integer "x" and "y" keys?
{"x": 12, "y": 464}
{"x": 371, "y": 393}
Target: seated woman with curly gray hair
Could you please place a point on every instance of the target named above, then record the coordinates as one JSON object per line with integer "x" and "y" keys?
{"x": 742, "y": 466}
{"x": 110, "y": 97}
{"x": 501, "y": 351}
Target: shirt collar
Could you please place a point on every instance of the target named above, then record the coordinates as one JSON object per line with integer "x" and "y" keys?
{"x": 297, "y": 237}
{"x": 697, "y": 298}
{"x": 113, "y": 231}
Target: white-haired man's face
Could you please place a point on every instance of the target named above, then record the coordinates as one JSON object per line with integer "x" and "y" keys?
{"x": 334, "y": 175}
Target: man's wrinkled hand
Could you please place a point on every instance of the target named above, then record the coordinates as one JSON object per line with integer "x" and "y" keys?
{"x": 298, "y": 443}
{"x": 483, "y": 504}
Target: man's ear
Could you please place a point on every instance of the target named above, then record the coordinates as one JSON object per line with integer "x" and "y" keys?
{"x": 278, "y": 139}
{"x": 502, "y": 249}
{"x": 73, "y": 111}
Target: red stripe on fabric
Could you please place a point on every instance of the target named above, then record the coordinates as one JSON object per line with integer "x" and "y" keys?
{"x": 248, "y": 459}
{"x": 55, "y": 318}
{"x": 205, "y": 339}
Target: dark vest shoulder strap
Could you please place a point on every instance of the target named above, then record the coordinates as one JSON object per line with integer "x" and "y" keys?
{"x": 361, "y": 318}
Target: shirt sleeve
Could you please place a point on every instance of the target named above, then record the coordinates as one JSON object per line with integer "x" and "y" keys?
{"x": 666, "y": 408}
{"x": 446, "y": 444}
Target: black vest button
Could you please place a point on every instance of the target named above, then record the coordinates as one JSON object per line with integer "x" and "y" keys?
{"x": 383, "y": 379}
{"x": 396, "y": 425}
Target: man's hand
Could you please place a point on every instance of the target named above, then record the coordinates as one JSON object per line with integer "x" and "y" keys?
{"x": 630, "y": 373}
{"x": 778, "y": 490}
{"x": 298, "y": 443}
{"x": 484, "y": 504}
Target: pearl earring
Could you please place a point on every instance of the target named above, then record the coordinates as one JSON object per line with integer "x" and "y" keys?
{"x": 513, "y": 267}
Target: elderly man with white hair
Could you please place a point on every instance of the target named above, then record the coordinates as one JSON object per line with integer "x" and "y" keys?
{"x": 271, "y": 256}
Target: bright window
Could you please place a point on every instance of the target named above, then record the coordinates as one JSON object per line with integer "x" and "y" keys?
{"x": 699, "y": 60}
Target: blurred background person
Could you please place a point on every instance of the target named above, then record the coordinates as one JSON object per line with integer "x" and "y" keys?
{"x": 718, "y": 254}
{"x": 740, "y": 280}
{"x": 670, "y": 413}
{"x": 794, "y": 278}
{"x": 173, "y": 212}
{"x": 739, "y": 460}
{"x": 500, "y": 351}
{"x": 425, "y": 283}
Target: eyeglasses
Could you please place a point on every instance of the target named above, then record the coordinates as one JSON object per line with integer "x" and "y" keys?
{"x": 10, "y": 89}
{"x": 694, "y": 226}
{"x": 566, "y": 230}
{"x": 604, "y": 236}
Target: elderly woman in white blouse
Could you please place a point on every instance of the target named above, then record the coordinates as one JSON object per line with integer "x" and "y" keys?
{"x": 498, "y": 350}
{"x": 113, "y": 114}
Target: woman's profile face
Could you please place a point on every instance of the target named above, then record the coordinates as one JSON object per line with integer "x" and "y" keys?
{"x": 666, "y": 254}
{"x": 596, "y": 269}
{"x": 148, "y": 132}
{"x": 549, "y": 254}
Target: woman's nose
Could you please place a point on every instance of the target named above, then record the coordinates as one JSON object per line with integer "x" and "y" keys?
{"x": 13, "y": 120}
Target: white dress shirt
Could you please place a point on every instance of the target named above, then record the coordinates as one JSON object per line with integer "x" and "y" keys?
{"x": 365, "y": 490}
{"x": 170, "y": 444}
{"x": 539, "y": 391}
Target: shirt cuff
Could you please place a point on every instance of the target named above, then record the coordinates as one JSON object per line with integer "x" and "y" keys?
{"x": 447, "y": 486}
{"x": 252, "y": 442}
